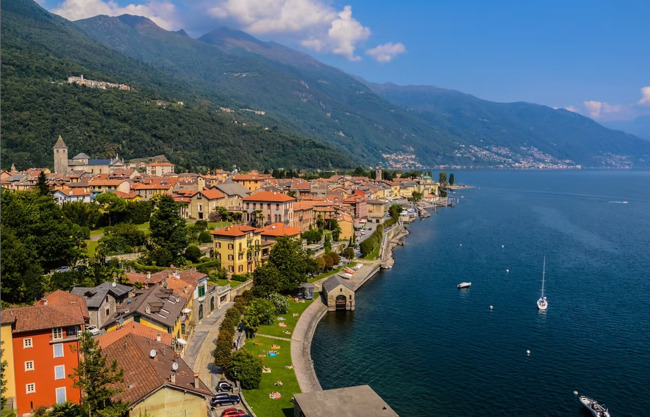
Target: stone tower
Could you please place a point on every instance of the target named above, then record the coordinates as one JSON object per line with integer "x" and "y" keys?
{"x": 378, "y": 175}
{"x": 60, "y": 157}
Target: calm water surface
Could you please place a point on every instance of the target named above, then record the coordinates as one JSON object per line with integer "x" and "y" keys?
{"x": 430, "y": 349}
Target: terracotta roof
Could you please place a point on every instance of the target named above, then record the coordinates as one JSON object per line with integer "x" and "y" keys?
{"x": 38, "y": 317}
{"x": 144, "y": 375}
{"x": 212, "y": 193}
{"x": 303, "y": 205}
{"x": 191, "y": 276}
{"x": 251, "y": 177}
{"x": 72, "y": 192}
{"x": 100, "y": 183}
{"x": 234, "y": 231}
{"x": 65, "y": 299}
{"x": 179, "y": 286}
{"x": 269, "y": 196}
{"x": 127, "y": 196}
{"x": 280, "y": 229}
{"x": 136, "y": 329}
{"x": 160, "y": 164}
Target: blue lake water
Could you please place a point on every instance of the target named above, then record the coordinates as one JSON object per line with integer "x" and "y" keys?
{"x": 430, "y": 349}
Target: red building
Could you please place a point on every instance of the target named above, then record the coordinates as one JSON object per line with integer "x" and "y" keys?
{"x": 45, "y": 352}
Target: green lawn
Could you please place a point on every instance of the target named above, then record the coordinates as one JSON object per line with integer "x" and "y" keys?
{"x": 233, "y": 284}
{"x": 258, "y": 399}
{"x": 97, "y": 232}
{"x": 144, "y": 226}
{"x": 91, "y": 246}
{"x": 217, "y": 225}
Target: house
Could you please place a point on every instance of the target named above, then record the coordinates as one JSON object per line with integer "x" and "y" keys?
{"x": 157, "y": 382}
{"x": 359, "y": 401}
{"x": 234, "y": 194}
{"x": 338, "y": 294}
{"x": 359, "y": 204}
{"x": 303, "y": 215}
{"x": 198, "y": 283}
{"x": 252, "y": 181}
{"x": 238, "y": 247}
{"x": 68, "y": 300}
{"x": 102, "y": 300}
{"x": 102, "y": 185}
{"x": 159, "y": 169}
{"x": 43, "y": 352}
{"x": 156, "y": 307}
{"x": 268, "y": 207}
{"x": 204, "y": 202}
{"x": 137, "y": 329}
{"x": 273, "y": 231}
{"x": 70, "y": 195}
{"x": 377, "y": 210}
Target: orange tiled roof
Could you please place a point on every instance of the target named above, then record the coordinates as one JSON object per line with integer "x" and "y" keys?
{"x": 234, "y": 231}
{"x": 127, "y": 196}
{"x": 160, "y": 164}
{"x": 268, "y": 196}
{"x": 39, "y": 317}
{"x": 280, "y": 229}
{"x": 212, "y": 193}
{"x": 103, "y": 183}
{"x": 137, "y": 329}
{"x": 65, "y": 299}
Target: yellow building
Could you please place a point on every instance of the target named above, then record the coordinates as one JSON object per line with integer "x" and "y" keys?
{"x": 252, "y": 181}
{"x": 8, "y": 355}
{"x": 377, "y": 210}
{"x": 238, "y": 247}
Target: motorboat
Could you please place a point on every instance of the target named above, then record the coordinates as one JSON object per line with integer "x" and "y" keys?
{"x": 464, "y": 285}
{"x": 542, "y": 303}
{"x": 345, "y": 275}
{"x": 597, "y": 410}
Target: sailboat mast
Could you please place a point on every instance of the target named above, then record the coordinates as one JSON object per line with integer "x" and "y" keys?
{"x": 543, "y": 275}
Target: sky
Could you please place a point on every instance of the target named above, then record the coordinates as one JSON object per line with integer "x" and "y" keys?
{"x": 592, "y": 57}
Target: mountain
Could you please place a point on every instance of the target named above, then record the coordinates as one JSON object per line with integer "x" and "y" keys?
{"x": 300, "y": 93}
{"x": 515, "y": 133}
{"x": 162, "y": 113}
{"x": 639, "y": 127}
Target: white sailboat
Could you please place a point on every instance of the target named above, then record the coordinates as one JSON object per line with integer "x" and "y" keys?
{"x": 542, "y": 303}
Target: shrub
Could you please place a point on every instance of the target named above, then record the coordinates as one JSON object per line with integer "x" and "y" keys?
{"x": 335, "y": 257}
{"x": 193, "y": 253}
{"x": 248, "y": 296}
{"x": 240, "y": 277}
{"x": 222, "y": 353}
{"x": 205, "y": 237}
{"x": 348, "y": 253}
{"x": 280, "y": 303}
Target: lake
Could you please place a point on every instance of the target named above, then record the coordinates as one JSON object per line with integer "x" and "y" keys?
{"x": 430, "y": 349}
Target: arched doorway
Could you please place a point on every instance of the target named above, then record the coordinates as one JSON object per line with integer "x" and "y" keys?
{"x": 201, "y": 312}
{"x": 340, "y": 302}
{"x": 212, "y": 304}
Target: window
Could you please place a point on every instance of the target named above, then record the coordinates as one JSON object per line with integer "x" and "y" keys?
{"x": 60, "y": 395}
{"x": 59, "y": 372}
{"x": 201, "y": 291}
{"x": 30, "y": 388}
{"x": 231, "y": 269}
{"x": 230, "y": 257}
{"x": 218, "y": 245}
{"x": 27, "y": 342}
{"x": 241, "y": 268}
{"x": 29, "y": 366}
{"x": 58, "y": 350}
{"x": 108, "y": 311}
{"x": 231, "y": 246}
{"x": 57, "y": 333}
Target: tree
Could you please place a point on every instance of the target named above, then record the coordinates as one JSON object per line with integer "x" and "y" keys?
{"x": 41, "y": 185}
{"x": 3, "y": 379}
{"x": 22, "y": 277}
{"x": 312, "y": 235}
{"x": 394, "y": 210}
{"x": 280, "y": 303}
{"x": 97, "y": 380}
{"x": 416, "y": 196}
{"x": 82, "y": 214}
{"x": 267, "y": 280}
{"x": 348, "y": 253}
{"x": 327, "y": 245}
{"x": 246, "y": 368}
{"x": 442, "y": 177}
{"x": 111, "y": 205}
{"x": 167, "y": 227}
{"x": 451, "y": 179}
{"x": 292, "y": 262}
{"x": 336, "y": 258}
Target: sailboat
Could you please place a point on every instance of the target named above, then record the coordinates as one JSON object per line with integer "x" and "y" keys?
{"x": 542, "y": 303}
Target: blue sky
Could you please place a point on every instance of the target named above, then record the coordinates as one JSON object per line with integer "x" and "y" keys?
{"x": 589, "y": 56}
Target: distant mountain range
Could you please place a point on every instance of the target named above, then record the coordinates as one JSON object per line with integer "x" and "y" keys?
{"x": 639, "y": 126}
{"x": 256, "y": 104}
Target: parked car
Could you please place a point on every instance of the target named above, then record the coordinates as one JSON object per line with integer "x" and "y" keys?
{"x": 223, "y": 386}
{"x": 233, "y": 412}
{"x": 219, "y": 400}
{"x": 64, "y": 268}
{"x": 80, "y": 268}
{"x": 93, "y": 330}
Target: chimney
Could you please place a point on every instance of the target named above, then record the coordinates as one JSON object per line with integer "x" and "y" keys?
{"x": 196, "y": 381}
{"x": 158, "y": 337}
{"x": 172, "y": 378}
{"x": 148, "y": 276}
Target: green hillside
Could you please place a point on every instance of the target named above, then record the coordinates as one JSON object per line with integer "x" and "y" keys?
{"x": 40, "y": 51}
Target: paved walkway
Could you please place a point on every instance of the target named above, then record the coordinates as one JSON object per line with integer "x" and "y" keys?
{"x": 273, "y": 337}
{"x": 301, "y": 346}
{"x": 198, "y": 352}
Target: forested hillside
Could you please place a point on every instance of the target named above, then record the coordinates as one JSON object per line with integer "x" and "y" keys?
{"x": 40, "y": 51}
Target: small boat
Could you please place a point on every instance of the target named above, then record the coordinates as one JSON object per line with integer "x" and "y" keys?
{"x": 597, "y": 410}
{"x": 542, "y": 303}
{"x": 345, "y": 275}
{"x": 464, "y": 285}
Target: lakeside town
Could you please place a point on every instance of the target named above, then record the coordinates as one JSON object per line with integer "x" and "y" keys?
{"x": 194, "y": 292}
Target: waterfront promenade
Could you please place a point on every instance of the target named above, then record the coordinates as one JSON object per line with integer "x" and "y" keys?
{"x": 301, "y": 346}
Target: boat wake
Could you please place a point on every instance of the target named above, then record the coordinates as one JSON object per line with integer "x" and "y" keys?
{"x": 618, "y": 202}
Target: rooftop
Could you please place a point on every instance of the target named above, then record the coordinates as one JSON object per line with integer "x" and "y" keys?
{"x": 359, "y": 401}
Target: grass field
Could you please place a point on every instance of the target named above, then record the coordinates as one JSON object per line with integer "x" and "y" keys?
{"x": 258, "y": 399}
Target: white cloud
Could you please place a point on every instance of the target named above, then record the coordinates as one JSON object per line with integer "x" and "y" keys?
{"x": 645, "y": 99}
{"x": 386, "y": 52}
{"x": 572, "y": 109}
{"x": 601, "y": 109}
{"x": 313, "y": 23}
{"x": 163, "y": 13}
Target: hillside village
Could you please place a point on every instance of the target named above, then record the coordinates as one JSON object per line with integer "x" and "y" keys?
{"x": 148, "y": 319}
